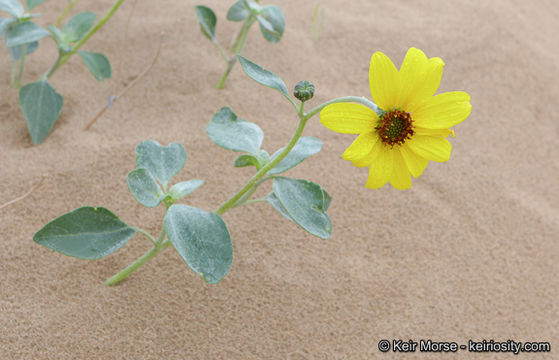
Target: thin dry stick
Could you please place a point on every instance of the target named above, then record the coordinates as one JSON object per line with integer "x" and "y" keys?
{"x": 122, "y": 48}
{"x": 24, "y": 195}
{"x": 114, "y": 99}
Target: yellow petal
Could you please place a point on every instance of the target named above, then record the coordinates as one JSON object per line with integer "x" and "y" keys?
{"x": 415, "y": 163}
{"x": 371, "y": 156}
{"x": 348, "y": 118}
{"x": 400, "y": 177}
{"x": 433, "y": 132}
{"x": 381, "y": 168}
{"x": 383, "y": 81}
{"x": 428, "y": 87}
{"x": 443, "y": 111}
{"x": 430, "y": 147}
{"x": 412, "y": 76}
{"x": 361, "y": 146}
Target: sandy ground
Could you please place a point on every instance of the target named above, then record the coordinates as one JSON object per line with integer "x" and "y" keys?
{"x": 470, "y": 252}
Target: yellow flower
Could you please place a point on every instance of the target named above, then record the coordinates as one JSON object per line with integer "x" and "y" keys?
{"x": 413, "y": 124}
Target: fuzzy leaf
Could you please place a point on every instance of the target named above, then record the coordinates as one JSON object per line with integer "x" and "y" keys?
{"x": 4, "y": 23}
{"x": 41, "y": 105}
{"x": 207, "y": 20}
{"x": 264, "y": 77}
{"x": 162, "y": 162}
{"x": 24, "y": 33}
{"x": 78, "y": 26}
{"x": 87, "y": 233}
{"x": 272, "y": 23}
{"x": 239, "y": 11}
{"x": 258, "y": 160}
{"x": 305, "y": 147}
{"x": 202, "y": 240}
{"x": 233, "y": 133}
{"x": 184, "y": 188}
{"x": 97, "y": 63}
{"x": 32, "y": 3}
{"x": 144, "y": 188}
{"x": 305, "y": 203}
{"x": 12, "y": 7}
{"x": 30, "y": 48}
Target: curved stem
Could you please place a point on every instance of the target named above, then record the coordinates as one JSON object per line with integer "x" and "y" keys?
{"x": 148, "y": 235}
{"x": 70, "y": 6}
{"x": 262, "y": 172}
{"x": 158, "y": 246}
{"x": 221, "y": 51}
{"x": 237, "y": 48}
{"x": 13, "y": 76}
{"x": 21, "y": 66}
{"x": 353, "y": 99}
{"x": 62, "y": 60}
{"x": 136, "y": 264}
{"x": 253, "y": 201}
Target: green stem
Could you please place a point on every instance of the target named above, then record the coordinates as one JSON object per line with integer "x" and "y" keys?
{"x": 237, "y": 49}
{"x": 62, "y": 60}
{"x": 253, "y": 201}
{"x": 136, "y": 264}
{"x": 13, "y": 76}
{"x": 262, "y": 172}
{"x": 352, "y": 99}
{"x": 158, "y": 246}
{"x": 70, "y": 6}
{"x": 148, "y": 235}
{"x": 21, "y": 66}
{"x": 221, "y": 51}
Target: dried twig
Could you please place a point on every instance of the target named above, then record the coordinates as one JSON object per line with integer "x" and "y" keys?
{"x": 24, "y": 195}
{"x": 113, "y": 98}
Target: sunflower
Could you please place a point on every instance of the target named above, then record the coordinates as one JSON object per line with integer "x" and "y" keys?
{"x": 411, "y": 126}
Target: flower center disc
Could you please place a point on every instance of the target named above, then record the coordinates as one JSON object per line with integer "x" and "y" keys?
{"x": 395, "y": 127}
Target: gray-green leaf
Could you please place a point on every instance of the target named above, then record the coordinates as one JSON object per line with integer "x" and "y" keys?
{"x": 97, "y": 63}
{"x": 305, "y": 203}
{"x": 24, "y": 33}
{"x": 233, "y": 133}
{"x": 252, "y": 160}
{"x": 207, "y": 20}
{"x": 4, "y": 23}
{"x": 78, "y": 26}
{"x": 239, "y": 11}
{"x": 305, "y": 147}
{"x": 12, "y": 7}
{"x": 32, "y": 3}
{"x": 40, "y": 105}
{"x": 264, "y": 77}
{"x": 184, "y": 188}
{"x": 30, "y": 48}
{"x": 202, "y": 240}
{"x": 272, "y": 23}
{"x": 144, "y": 188}
{"x": 162, "y": 162}
{"x": 60, "y": 38}
{"x": 86, "y": 233}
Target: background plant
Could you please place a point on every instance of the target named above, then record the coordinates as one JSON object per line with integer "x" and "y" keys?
{"x": 317, "y": 24}
{"x": 39, "y": 101}
{"x": 269, "y": 17}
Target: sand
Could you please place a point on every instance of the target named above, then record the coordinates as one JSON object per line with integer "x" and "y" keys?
{"x": 470, "y": 252}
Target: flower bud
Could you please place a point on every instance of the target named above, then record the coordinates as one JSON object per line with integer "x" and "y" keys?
{"x": 304, "y": 90}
